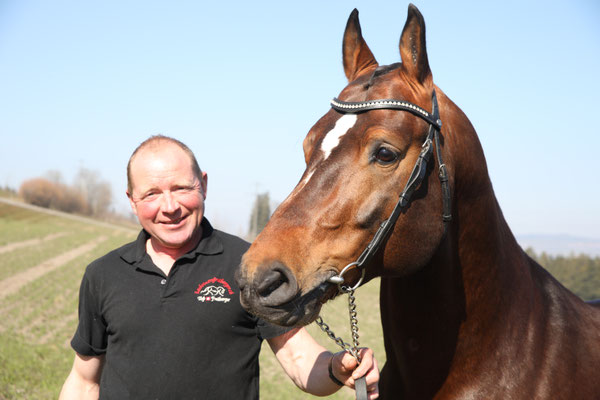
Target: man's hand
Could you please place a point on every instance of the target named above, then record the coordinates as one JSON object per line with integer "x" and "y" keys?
{"x": 346, "y": 369}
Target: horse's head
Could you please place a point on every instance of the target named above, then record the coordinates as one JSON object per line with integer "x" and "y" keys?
{"x": 358, "y": 163}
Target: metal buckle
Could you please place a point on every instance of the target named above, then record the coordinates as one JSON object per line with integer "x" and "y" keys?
{"x": 339, "y": 279}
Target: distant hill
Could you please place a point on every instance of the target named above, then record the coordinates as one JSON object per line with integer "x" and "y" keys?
{"x": 560, "y": 244}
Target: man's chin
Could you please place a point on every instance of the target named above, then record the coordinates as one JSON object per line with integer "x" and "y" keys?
{"x": 172, "y": 240}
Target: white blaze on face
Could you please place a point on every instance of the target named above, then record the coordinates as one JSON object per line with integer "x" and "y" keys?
{"x": 330, "y": 142}
{"x": 332, "y": 139}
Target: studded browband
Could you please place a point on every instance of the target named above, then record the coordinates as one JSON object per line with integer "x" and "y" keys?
{"x": 385, "y": 104}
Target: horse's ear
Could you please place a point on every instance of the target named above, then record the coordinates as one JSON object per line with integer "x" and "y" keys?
{"x": 357, "y": 55}
{"x": 413, "y": 49}
{"x": 308, "y": 145}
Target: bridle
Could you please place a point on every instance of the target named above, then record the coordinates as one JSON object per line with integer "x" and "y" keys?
{"x": 414, "y": 181}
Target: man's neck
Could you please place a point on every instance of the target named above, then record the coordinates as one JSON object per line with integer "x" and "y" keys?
{"x": 164, "y": 257}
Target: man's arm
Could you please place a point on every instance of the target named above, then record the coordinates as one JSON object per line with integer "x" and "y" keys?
{"x": 84, "y": 380}
{"x": 306, "y": 362}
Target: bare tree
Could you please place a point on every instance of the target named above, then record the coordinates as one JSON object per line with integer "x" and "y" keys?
{"x": 54, "y": 176}
{"x": 96, "y": 192}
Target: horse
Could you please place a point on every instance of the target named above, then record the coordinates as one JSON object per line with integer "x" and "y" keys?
{"x": 465, "y": 312}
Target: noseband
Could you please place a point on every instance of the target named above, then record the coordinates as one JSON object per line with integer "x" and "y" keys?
{"x": 414, "y": 181}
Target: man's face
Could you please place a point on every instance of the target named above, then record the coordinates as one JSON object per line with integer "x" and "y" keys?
{"x": 167, "y": 197}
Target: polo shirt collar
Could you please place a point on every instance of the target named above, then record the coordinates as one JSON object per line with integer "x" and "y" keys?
{"x": 209, "y": 244}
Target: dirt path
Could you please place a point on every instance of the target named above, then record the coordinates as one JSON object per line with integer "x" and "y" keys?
{"x": 31, "y": 242}
{"x": 12, "y": 284}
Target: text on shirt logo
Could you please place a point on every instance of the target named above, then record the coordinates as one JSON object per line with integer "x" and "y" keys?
{"x": 214, "y": 289}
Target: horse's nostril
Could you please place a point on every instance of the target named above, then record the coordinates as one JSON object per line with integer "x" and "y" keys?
{"x": 272, "y": 281}
{"x": 276, "y": 286}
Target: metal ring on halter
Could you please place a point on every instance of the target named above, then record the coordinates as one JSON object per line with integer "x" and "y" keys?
{"x": 339, "y": 279}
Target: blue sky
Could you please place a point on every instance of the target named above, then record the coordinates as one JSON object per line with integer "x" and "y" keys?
{"x": 83, "y": 83}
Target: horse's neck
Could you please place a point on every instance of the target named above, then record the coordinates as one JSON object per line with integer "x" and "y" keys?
{"x": 457, "y": 303}
{"x": 495, "y": 271}
{"x": 481, "y": 309}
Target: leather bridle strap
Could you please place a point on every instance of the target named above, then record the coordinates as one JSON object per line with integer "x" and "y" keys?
{"x": 416, "y": 177}
{"x": 349, "y": 107}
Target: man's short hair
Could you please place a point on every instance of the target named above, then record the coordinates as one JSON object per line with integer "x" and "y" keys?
{"x": 156, "y": 141}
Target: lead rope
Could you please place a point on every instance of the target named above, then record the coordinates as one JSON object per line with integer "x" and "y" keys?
{"x": 360, "y": 384}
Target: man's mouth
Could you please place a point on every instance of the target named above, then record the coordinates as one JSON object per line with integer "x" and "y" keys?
{"x": 173, "y": 222}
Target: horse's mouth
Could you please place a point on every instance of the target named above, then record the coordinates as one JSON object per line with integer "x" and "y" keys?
{"x": 301, "y": 310}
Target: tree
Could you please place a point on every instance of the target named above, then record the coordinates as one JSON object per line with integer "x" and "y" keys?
{"x": 44, "y": 193}
{"x": 261, "y": 212}
{"x": 39, "y": 192}
{"x": 96, "y": 193}
{"x": 89, "y": 195}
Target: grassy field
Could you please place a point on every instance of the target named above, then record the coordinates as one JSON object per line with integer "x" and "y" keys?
{"x": 42, "y": 260}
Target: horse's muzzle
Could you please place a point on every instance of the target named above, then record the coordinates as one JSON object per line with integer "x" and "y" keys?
{"x": 273, "y": 293}
{"x": 271, "y": 286}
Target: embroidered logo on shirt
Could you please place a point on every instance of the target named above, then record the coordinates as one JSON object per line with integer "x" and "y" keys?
{"x": 214, "y": 289}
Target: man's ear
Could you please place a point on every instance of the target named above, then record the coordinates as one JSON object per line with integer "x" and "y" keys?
{"x": 204, "y": 184}
{"x": 131, "y": 202}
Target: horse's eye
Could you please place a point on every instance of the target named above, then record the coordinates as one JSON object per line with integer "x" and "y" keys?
{"x": 385, "y": 155}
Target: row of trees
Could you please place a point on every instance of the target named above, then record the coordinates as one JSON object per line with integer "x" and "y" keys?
{"x": 88, "y": 195}
{"x": 7, "y": 191}
{"x": 579, "y": 273}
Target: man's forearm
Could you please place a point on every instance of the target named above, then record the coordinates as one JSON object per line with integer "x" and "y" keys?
{"x": 307, "y": 363}
{"x": 75, "y": 388}
{"x": 83, "y": 381}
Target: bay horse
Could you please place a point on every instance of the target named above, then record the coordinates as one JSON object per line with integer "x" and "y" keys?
{"x": 466, "y": 314}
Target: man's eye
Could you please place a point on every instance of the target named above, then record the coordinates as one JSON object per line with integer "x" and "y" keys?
{"x": 150, "y": 196}
{"x": 385, "y": 155}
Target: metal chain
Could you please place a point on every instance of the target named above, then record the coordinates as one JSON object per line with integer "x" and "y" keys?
{"x": 351, "y": 348}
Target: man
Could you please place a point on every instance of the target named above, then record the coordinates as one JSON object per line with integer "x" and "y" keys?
{"x": 160, "y": 317}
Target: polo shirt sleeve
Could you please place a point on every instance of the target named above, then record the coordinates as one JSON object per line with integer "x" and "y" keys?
{"x": 91, "y": 337}
{"x": 267, "y": 330}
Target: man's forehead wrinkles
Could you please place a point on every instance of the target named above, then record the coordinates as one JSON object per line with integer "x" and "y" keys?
{"x": 160, "y": 184}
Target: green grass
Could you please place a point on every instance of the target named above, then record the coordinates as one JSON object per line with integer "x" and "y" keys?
{"x": 20, "y": 259}
{"x": 38, "y": 321}
{"x": 31, "y": 371}
{"x": 19, "y": 224}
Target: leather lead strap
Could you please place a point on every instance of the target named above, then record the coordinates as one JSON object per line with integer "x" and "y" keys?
{"x": 360, "y": 387}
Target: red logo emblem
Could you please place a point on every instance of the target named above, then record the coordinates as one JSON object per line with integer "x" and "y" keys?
{"x": 214, "y": 289}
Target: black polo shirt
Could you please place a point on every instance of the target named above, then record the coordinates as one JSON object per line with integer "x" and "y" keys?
{"x": 181, "y": 336}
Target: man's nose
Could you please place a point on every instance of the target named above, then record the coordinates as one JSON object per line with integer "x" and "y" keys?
{"x": 169, "y": 202}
